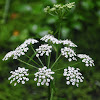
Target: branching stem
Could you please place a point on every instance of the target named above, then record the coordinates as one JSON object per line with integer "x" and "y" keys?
{"x": 65, "y": 67}
{"x": 27, "y": 63}
{"x": 37, "y": 57}
{"x": 55, "y": 61}
{"x": 32, "y": 60}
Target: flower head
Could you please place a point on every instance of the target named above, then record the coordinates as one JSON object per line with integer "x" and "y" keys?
{"x": 30, "y": 41}
{"x": 73, "y": 76}
{"x": 86, "y": 59}
{"x": 70, "y": 5}
{"x": 68, "y": 43}
{"x": 68, "y": 53}
{"x": 43, "y": 49}
{"x": 20, "y": 50}
{"x": 50, "y": 38}
{"x": 8, "y": 55}
{"x": 47, "y": 9}
{"x": 19, "y": 75}
{"x": 58, "y": 7}
{"x": 43, "y": 76}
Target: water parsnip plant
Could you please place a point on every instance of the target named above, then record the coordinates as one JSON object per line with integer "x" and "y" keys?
{"x": 45, "y": 74}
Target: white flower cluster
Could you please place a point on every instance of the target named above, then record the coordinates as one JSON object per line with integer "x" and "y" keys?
{"x": 68, "y": 42}
{"x": 57, "y": 7}
{"x": 70, "y": 5}
{"x": 43, "y": 76}
{"x": 30, "y": 41}
{"x": 50, "y": 38}
{"x": 47, "y": 9}
{"x": 86, "y": 59}
{"x": 8, "y": 55}
{"x": 68, "y": 53}
{"x": 43, "y": 49}
{"x": 73, "y": 76}
{"x": 19, "y": 76}
{"x": 20, "y": 50}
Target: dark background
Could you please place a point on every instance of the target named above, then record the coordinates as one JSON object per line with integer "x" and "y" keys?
{"x": 22, "y": 19}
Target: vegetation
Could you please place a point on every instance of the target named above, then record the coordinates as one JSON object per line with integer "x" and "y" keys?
{"x": 22, "y": 19}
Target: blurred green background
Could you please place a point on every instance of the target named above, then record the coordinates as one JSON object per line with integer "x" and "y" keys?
{"x": 22, "y": 19}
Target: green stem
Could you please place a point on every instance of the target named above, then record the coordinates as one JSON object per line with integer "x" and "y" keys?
{"x": 59, "y": 30}
{"x": 51, "y": 14}
{"x": 37, "y": 57}
{"x": 31, "y": 75}
{"x": 65, "y": 67}
{"x": 49, "y": 60}
{"x": 32, "y": 60}
{"x": 55, "y": 61}
{"x": 6, "y": 10}
{"x": 59, "y": 34}
{"x": 57, "y": 52}
{"x": 27, "y": 63}
{"x": 56, "y": 32}
{"x": 75, "y": 64}
{"x": 51, "y": 94}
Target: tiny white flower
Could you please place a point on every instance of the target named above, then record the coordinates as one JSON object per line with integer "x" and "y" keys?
{"x": 42, "y": 83}
{"x": 67, "y": 82}
{"x": 15, "y": 84}
{"x": 38, "y": 84}
{"x": 18, "y": 81}
{"x": 73, "y": 83}
{"x": 44, "y": 80}
{"x": 27, "y": 79}
{"x": 39, "y": 80}
{"x": 69, "y": 59}
{"x": 35, "y": 79}
{"x": 47, "y": 84}
{"x": 48, "y": 80}
{"x": 77, "y": 85}
{"x": 67, "y": 78}
{"x": 11, "y": 81}
{"x": 23, "y": 82}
